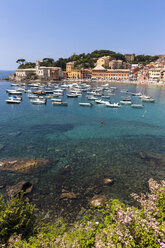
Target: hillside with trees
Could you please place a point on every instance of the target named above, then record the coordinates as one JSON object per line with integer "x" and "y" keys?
{"x": 85, "y": 60}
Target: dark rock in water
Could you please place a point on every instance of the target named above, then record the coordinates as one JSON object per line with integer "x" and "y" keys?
{"x": 153, "y": 158}
{"x": 51, "y": 128}
{"x": 98, "y": 201}
{"x": 22, "y": 165}
{"x": 108, "y": 181}
{"x": 68, "y": 195}
{"x": 1, "y": 147}
{"x": 14, "y": 190}
{"x": 65, "y": 170}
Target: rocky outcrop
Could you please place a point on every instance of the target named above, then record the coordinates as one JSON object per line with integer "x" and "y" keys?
{"x": 97, "y": 201}
{"x": 14, "y": 190}
{"x": 153, "y": 158}
{"x": 22, "y": 165}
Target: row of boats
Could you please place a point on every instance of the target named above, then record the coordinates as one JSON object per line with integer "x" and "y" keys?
{"x": 39, "y": 94}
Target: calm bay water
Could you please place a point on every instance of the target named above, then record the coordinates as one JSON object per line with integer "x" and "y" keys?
{"x": 74, "y": 136}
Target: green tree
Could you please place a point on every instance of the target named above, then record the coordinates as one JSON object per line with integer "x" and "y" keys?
{"x": 20, "y": 61}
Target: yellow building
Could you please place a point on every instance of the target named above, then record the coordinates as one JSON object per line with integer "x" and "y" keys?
{"x": 71, "y": 72}
{"x": 69, "y": 67}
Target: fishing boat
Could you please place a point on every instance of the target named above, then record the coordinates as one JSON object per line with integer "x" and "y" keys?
{"x": 60, "y": 103}
{"x": 13, "y": 100}
{"x": 113, "y": 105}
{"x": 139, "y": 106}
{"x": 85, "y": 104}
{"x": 38, "y": 101}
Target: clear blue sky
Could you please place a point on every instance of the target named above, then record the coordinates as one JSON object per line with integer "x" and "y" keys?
{"x": 34, "y": 29}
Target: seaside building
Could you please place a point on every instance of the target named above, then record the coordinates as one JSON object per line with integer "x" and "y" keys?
{"x": 71, "y": 72}
{"x": 24, "y": 73}
{"x": 86, "y": 73}
{"x": 70, "y": 67}
{"x": 42, "y": 72}
{"x": 155, "y": 74}
{"x": 99, "y": 72}
{"x": 118, "y": 74}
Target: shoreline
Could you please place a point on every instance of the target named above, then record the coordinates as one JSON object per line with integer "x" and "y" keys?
{"x": 89, "y": 81}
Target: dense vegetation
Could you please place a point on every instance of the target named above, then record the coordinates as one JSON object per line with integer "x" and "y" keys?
{"x": 144, "y": 59}
{"x": 85, "y": 60}
{"x": 115, "y": 225}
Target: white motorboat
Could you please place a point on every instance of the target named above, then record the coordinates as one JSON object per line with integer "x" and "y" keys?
{"x": 137, "y": 106}
{"x": 146, "y": 97}
{"x": 13, "y": 100}
{"x": 85, "y": 104}
{"x": 72, "y": 95}
{"x": 113, "y": 105}
{"x": 38, "y": 101}
{"x": 125, "y": 102}
{"x": 56, "y": 100}
{"x": 32, "y": 96}
{"x": 57, "y": 94}
{"x": 92, "y": 98}
{"x": 101, "y": 102}
{"x": 136, "y": 94}
{"x": 14, "y": 92}
{"x": 152, "y": 100}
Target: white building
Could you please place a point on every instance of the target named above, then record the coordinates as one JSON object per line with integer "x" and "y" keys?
{"x": 42, "y": 72}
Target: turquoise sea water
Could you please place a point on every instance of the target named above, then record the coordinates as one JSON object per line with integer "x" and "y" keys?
{"x": 74, "y": 136}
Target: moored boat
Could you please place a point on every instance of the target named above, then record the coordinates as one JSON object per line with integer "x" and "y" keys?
{"x": 85, "y": 104}
{"x": 14, "y": 92}
{"x": 13, "y": 100}
{"x": 137, "y": 106}
{"x": 113, "y": 105}
{"x": 125, "y": 102}
{"x": 60, "y": 103}
{"x": 72, "y": 95}
{"x": 38, "y": 101}
{"x": 151, "y": 100}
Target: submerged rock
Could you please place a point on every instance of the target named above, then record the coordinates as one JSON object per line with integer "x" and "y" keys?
{"x": 14, "y": 190}
{"x": 153, "y": 158}
{"x": 65, "y": 170}
{"x": 1, "y": 147}
{"x": 108, "y": 181}
{"x": 14, "y": 134}
{"x": 98, "y": 201}
{"x": 22, "y": 165}
{"x": 68, "y": 195}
